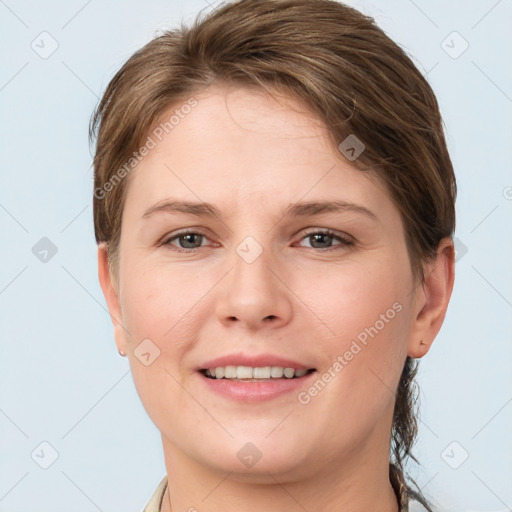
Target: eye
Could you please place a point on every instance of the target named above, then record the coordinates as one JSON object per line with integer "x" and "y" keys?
{"x": 322, "y": 239}
{"x": 190, "y": 241}
{"x": 186, "y": 241}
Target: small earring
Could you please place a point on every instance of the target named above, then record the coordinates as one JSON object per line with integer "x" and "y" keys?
{"x": 122, "y": 353}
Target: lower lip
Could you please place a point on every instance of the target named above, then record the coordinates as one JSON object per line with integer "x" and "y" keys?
{"x": 246, "y": 391}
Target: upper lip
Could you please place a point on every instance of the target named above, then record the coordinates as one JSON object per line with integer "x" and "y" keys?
{"x": 255, "y": 361}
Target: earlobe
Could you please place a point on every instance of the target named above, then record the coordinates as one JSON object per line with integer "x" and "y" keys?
{"x": 432, "y": 299}
{"x": 112, "y": 299}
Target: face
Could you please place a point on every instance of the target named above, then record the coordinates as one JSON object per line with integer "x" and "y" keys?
{"x": 297, "y": 261}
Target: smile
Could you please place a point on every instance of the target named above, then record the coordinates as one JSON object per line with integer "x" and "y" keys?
{"x": 251, "y": 384}
{"x": 250, "y": 373}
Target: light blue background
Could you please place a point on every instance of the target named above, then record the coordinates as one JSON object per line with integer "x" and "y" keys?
{"x": 61, "y": 378}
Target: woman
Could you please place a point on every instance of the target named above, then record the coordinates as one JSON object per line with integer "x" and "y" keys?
{"x": 274, "y": 208}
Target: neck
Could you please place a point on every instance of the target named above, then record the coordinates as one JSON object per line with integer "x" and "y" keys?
{"x": 357, "y": 485}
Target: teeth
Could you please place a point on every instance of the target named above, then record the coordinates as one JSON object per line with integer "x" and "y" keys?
{"x": 289, "y": 373}
{"x": 248, "y": 372}
{"x": 276, "y": 372}
{"x": 244, "y": 372}
{"x": 261, "y": 373}
{"x": 230, "y": 372}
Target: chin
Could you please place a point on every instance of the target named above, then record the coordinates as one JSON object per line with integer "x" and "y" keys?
{"x": 252, "y": 461}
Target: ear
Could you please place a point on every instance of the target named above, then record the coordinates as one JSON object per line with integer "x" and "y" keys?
{"x": 111, "y": 297}
{"x": 432, "y": 299}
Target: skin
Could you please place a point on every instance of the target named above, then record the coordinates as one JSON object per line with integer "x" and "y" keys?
{"x": 252, "y": 155}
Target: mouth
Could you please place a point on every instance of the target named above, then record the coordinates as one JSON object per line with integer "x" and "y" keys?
{"x": 252, "y": 378}
{"x": 255, "y": 374}
{"x": 253, "y": 384}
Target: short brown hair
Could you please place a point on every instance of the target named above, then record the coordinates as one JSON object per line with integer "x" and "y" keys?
{"x": 340, "y": 65}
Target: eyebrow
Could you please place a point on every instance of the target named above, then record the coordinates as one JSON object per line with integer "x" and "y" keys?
{"x": 303, "y": 209}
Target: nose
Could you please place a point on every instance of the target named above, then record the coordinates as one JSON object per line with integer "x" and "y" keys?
{"x": 254, "y": 294}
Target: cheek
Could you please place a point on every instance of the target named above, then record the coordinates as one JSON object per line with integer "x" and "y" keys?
{"x": 355, "y": 298}
{"x": 172, "y": 304}
{"x": 366, "y": 314}
{"x": 161, "y": 311}
{"x": 164, "y": 304}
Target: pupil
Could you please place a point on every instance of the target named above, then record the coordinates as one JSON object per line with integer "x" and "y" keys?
{"x": 186, "y": 238}
{"x": 315, "y": 237}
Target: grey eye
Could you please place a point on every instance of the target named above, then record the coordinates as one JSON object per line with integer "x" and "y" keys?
{"x": 190, "y": 240}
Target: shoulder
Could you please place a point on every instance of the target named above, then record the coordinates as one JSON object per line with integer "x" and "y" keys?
{"x": 155, "y": 502}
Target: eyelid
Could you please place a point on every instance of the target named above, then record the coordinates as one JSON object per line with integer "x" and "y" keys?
{"x": 328, "y": 231}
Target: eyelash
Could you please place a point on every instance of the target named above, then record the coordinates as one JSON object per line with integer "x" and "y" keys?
{"x": 345, "y": 240}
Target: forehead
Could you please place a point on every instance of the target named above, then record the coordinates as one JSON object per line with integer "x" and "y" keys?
{"x": 274, "y": 111}
{"x": 241, "y": 146}
{"x": 231, "y": 123}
